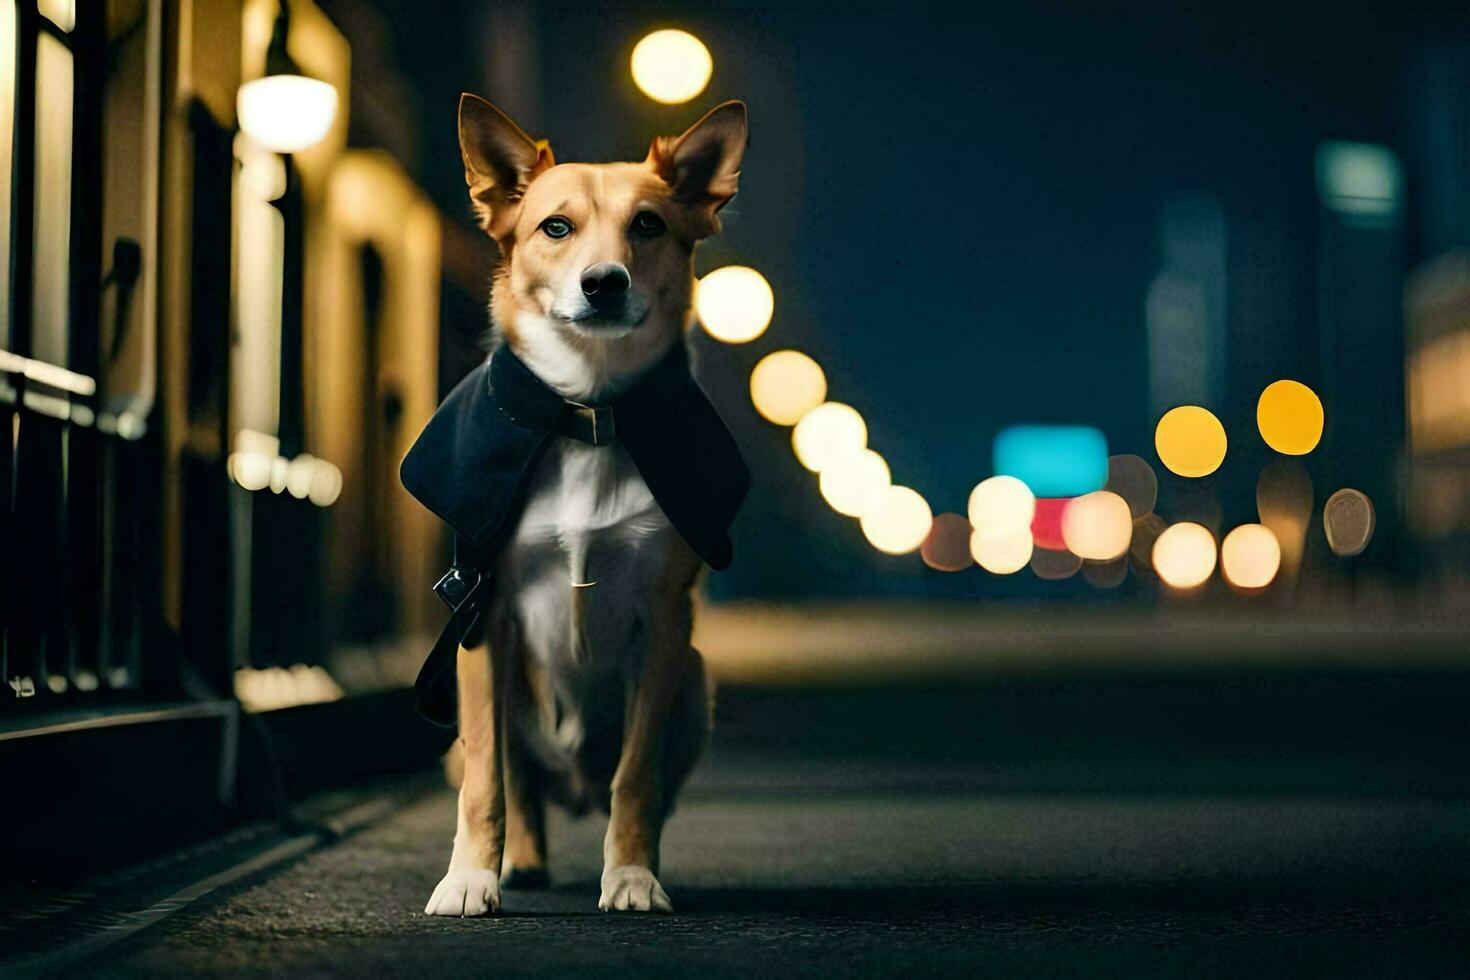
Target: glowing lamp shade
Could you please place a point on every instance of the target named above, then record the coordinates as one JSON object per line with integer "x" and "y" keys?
{"x": 671, "y": 66}
{"x": 1046, "y": 526}
{"x": 899, "y": 522}
{"x": 1290, "y": 417}
{"x": 827, "y": 433}
{"x": 1002, "y": 503}
{"x": 1250, "y": 556}
{"x": 1053, "y": 460}
{"x": 1190, "y": 441}
{"x": 1184, "y": 555}
{"x": 286, "y": 113}
{"x": 786, "y": 385}
{"x": 1003, "y": 550}
{"x": 854, "y": 483}
{"x": 1097, "y": 526}
{"x": 734, "y": 303}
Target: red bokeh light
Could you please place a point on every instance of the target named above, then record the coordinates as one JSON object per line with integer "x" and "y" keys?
{"x": 1046, "y": 526}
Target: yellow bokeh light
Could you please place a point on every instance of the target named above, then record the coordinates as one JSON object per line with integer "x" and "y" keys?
{"x": 1002, "y": 550}
{"x": 827, "y": 433}
{"x": 1002, "y": 503}
{"x": 1190, "y": 441}
{"x": 899, "y": 522}
{"x": 671, "y": 66}
{"x": 1290, "y": 417}
{"x": 1250, "y": 556}
{"x": 1097, "y": 526}
{"x": 1184, "y": 555}
{"x": 734, "y": 303}
{"x": 853, "y": 484}
{"x": 786, "y": 385}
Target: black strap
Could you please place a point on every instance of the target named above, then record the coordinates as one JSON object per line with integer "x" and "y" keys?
{"x": 463, "y": 587}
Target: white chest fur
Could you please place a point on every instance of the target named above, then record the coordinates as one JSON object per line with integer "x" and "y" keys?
{"x": 582, "y": 565}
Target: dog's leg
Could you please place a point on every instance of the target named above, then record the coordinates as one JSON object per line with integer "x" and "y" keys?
{"x": 688, "y": 729}
{"x": 471, "y": 886}
{"x": 525, "y": 807}
{"x": 630, "y": 850}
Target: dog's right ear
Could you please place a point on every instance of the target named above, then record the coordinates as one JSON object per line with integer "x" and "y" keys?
{"x": 499, "y": 161}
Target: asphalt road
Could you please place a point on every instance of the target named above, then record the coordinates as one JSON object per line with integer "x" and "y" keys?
{"x": 832, "y": 881}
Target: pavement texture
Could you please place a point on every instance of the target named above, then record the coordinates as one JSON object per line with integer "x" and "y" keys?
{"x": 1290, "y": 827}
{"x": 875, "y": 884}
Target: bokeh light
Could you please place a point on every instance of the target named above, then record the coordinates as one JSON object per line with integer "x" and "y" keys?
{"x": 947, "y": 547}
{"x": 735, "y": 303}
{"x": 671, "y": 66}
{"x": 853, "y": 484}
{"x": 1348, "y": 519}
{"x": 1105, "y": 574}
{"x": 286, "y": 113}
{"x": 1002, "y": 502}
{"x": 1097, "y": 526}
{"x": 1131, "y": 478}
{"x": 1284, "y": 501}
{"x": 1146, "y": 531}
{"x": 1250, "y": 556}
{"x": 1053, "y": 460}
{"x": 899, "y": 522}
{"x": 1190, "y": 441}
{"x": 785, "y": 385}
{"x": 827, "y": 433}
{"x": 1184, "y": 555}
{"x": 1046, "y": 525}
{"x": 1001, "y": 550}
{"x": 1050, "y": 565}
{"x": 1289, "y": 415}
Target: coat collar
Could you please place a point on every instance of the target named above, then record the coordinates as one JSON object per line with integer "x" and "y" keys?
{"x": 527, "y": 400}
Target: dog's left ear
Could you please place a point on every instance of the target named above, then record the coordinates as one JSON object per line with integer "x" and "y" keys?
{"x": 703, "y": 165}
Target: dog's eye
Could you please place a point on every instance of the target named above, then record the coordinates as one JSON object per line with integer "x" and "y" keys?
{"x": 646, "y": 224}
{"x": 556, "y": 227}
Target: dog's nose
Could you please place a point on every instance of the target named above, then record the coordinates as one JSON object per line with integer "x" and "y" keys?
{"x": 605, "y": 283}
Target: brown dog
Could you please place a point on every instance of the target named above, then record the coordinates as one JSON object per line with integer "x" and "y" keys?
{"x": 588, "y": 691}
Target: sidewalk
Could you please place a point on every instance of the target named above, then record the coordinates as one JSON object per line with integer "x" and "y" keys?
{"x": 852, "y": 882}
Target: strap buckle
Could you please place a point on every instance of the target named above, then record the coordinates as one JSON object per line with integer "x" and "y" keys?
{"x": 457, "y": 585}
{"x": 597, "y": 423}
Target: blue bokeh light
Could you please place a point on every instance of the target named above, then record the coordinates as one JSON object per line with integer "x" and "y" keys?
{"x": 1053, "y": 460}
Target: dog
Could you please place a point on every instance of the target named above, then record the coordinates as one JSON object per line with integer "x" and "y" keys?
{"x": 584, "y": 689}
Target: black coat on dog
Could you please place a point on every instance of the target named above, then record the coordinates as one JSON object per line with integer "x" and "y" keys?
{"x": 471, "y": 463}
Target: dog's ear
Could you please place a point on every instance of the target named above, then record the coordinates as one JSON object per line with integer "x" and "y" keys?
{"x": 703, "y": 165}
{"x": 499, "y": 161}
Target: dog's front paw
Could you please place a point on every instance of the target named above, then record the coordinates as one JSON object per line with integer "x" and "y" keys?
{"x": 468, "y": 891}
{"x": 631, "y": 888}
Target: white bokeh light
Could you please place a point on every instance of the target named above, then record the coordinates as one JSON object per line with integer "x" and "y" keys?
{"x": 898, "y": 522}
{"x": 827, "y": 433}
{"x": 734, "y": 303}
{"x": 671, "y": 66}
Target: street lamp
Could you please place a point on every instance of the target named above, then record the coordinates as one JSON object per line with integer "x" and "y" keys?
{"x": 284, "y": 110}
